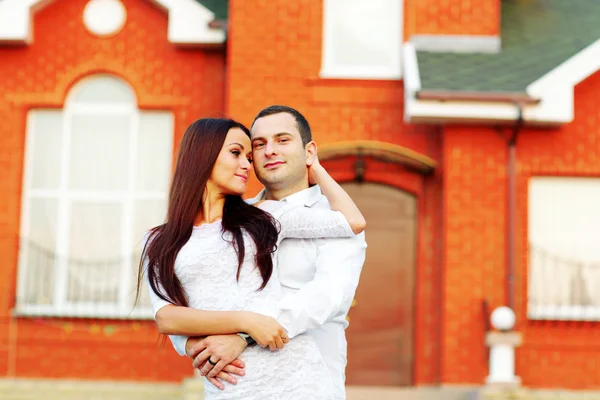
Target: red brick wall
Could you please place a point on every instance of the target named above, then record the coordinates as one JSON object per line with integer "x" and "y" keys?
{"x": 452, "y": 17}
{"x": 474, "y": 250}
{"x": 557, "y": 354}
{"x": 189, "y": 83}
{"x": 277, "y": 61}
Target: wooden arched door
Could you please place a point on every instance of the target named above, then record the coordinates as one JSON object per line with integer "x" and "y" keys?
{"x": 380, "y": 335}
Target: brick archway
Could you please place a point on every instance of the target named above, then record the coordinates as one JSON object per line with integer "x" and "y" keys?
{"x": 386, "y": 152}
{"x": 388, "y": 182}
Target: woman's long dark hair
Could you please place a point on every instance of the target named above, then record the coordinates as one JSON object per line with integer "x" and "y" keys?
{"x": 198, "y": 152}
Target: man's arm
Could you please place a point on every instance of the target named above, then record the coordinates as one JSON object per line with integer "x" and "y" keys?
{"x": 180, "y": 343}
{"x": 329, "y": 295}
{"x": 226, "y": 349}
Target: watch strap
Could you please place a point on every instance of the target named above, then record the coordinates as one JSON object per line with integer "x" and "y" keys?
{"x": 247, "y": 338}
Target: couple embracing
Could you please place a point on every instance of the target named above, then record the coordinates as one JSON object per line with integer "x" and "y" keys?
{"x": 256, "y": 291}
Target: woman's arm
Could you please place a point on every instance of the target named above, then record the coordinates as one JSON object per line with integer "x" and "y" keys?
{"x": 176, "y": 320}
{"x": 344, "y": 219}
{"x": 337, "y": 196}
{"x": 186, "y": 321}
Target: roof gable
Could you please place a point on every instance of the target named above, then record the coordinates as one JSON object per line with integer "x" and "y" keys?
{"x": 549, "y": 47}
{"x": 537, "y": 36}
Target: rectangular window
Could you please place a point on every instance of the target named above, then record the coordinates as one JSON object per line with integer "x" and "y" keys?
{"x": 96, "y": 178}
{"x": 564, "y": 248}
{"x": 362, "y": 39}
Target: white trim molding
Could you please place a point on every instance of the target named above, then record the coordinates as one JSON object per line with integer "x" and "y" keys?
{"x": 563, "y": 313}
{"x": 556, "y": 88}
{"x": 457, "y": 43}
{"x": 188, "y": 21}
{"x": 555, "y": 91}
{"x": 412, "y": 78}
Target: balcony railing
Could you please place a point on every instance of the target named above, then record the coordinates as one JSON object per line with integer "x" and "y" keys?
{"x": 561, "y": 288}
{"x": 53, "y": 285}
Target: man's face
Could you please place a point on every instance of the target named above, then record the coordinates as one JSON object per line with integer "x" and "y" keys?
{"x": 278, "y": 153}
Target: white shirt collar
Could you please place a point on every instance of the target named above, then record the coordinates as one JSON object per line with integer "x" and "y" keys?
{"x": 307, "y": 197}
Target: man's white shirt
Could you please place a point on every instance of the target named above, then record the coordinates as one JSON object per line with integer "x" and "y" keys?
{"x": 319, "y": 279}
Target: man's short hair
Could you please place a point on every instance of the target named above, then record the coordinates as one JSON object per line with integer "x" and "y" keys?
{"x": 301, "y": 122}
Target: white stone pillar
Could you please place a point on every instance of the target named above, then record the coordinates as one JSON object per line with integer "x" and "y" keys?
{"x": 502, "y": 343}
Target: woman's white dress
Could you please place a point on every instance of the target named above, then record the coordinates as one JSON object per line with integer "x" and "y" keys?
{"x": 207, "y": 266}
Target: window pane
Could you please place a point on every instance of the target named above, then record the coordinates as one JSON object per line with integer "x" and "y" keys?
{"x": 364, "y": 33}
{"x": 47, "y": 148}
{"x": 362, "y": 39}
{"x": 564, "y": 256}
{"x": 40, "y": 246}
{"x": 95, "y": 252}
{"x": 104, "y": 89}
{"x": 155, "y": 151}
{"x": 565, "y": 217}
{"x": 148, "y": 214}
{"x": 100, "y": 152}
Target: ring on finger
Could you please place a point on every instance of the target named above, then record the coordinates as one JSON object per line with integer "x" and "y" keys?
{"x": 211, "y": 362}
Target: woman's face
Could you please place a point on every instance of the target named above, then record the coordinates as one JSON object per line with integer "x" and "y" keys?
{"x": 232, "y": 168}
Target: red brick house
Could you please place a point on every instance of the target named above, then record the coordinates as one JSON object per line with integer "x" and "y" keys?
{"x": 468, "y": 131}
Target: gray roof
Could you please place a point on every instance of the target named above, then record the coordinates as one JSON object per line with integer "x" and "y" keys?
{"x": 219, "y": 7}
{"x": 537, "y": 35}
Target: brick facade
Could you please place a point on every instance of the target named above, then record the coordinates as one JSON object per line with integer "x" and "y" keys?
{"x": 188, "y": 83}
{"x": 557, "y": 354}
{"x": 273, "y": 63}
{"x": 274, "y": 57}
{"x": 452, "y": 17}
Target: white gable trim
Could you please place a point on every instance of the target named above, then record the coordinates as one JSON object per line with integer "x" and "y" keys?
{"x": 572, "y": 71}
{"x": 15, "y": 17}
{"x": 188, "y": 21}
{"x": 555, "y": 91}
{"x": 457, "y": 43}
{"x": 556, "y": 88}
{"x": 412, "y": 79}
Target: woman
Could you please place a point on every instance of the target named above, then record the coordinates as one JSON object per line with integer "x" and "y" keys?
{"x": 211, "y": 263}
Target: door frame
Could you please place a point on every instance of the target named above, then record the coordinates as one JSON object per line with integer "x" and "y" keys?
{"x": 426, "y": 185}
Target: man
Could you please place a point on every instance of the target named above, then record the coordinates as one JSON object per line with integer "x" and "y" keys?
{"x": 319, "y": 276}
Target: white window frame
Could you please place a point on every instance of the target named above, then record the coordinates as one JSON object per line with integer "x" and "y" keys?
{"x": 554, "y": 312}
{"x": 329, "y": 69}
{"x": 60, "y": 307}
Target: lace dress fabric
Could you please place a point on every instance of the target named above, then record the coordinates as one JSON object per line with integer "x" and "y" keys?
{"x": 207, "y": 266}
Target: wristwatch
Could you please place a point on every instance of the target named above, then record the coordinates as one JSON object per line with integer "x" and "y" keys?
{"x": 247, "y": 338}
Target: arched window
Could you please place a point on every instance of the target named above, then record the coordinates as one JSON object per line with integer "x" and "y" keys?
{"x": 96, "y": 178}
